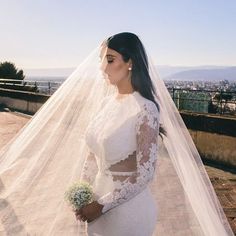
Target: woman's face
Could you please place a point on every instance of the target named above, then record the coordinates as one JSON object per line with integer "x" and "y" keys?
{"x": 115, "y": 67}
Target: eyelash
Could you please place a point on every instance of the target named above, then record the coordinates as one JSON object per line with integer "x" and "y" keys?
{"x": 110, "y": 61}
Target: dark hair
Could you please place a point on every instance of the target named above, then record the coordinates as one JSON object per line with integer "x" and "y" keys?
{"x": 130, "y": 47}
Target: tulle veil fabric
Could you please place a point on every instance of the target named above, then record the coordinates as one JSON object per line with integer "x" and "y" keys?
{"x": 47, "y": 156}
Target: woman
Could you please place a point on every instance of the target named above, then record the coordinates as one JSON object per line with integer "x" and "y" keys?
{"x": 102, "y": 126}
{"x": 130, "y": 169}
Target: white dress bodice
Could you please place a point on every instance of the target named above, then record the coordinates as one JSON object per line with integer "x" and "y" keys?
{"x": 122, "y": 143}
{"x": 111, "y": 135}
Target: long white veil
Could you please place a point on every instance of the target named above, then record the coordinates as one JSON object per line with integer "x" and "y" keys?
{"x": 47, "y": 155}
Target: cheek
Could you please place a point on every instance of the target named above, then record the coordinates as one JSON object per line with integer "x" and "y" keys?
{"x": 119, "y": 70}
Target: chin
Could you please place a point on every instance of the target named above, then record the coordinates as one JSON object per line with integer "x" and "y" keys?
{"x": 111, "y": 82}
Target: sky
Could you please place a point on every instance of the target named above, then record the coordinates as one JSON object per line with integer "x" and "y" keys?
{"x": 61, "y": 33}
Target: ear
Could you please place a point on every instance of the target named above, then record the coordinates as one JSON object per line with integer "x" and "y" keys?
{"x": 130, "y": 64}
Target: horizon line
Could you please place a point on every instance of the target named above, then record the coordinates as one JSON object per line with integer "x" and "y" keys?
{"x": 73, "y": 67}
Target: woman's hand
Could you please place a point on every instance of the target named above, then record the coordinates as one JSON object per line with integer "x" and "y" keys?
{"x": 89, "y": 212}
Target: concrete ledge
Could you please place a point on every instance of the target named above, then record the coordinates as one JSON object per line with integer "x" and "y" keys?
{"x": 225, "y": 125}
{"x": 214, "y": 136}
{"x": 214, "y": 147}
{"x": 26, "y": 102}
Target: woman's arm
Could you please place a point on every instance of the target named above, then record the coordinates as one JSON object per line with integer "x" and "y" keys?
{"x": 147, "y": 129}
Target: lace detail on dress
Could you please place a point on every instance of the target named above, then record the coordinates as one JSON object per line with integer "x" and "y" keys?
{"x": 133, "y": 174}
{"x": 90, "y": 169}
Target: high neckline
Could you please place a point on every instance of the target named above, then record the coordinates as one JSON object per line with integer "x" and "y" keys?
{"x": 122, "y": 96}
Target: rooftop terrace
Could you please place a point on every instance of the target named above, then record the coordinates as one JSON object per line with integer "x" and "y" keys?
{"x": 223, "y": 180}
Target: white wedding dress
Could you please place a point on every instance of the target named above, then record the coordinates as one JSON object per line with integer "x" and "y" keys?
{"x": 122, "y": 142}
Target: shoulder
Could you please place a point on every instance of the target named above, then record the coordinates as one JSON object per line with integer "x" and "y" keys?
{"x": 149, "y": 114}
{"x": 149, "y": 107}
{"x": 146, "y": 104}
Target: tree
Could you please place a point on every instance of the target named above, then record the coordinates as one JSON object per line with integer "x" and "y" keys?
{"x": 8, "y": 70}
{"x": 222, "y": 100}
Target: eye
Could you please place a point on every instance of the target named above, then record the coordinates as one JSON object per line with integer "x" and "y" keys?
{"x": 109, "y": 61}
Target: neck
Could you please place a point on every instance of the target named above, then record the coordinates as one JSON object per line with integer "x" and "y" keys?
{"x": 125, "y": 88}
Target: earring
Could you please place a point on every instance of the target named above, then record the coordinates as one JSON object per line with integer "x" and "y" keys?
{"x": 129, "y": 68}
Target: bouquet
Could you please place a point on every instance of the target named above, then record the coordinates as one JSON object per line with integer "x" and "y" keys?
{"x": 79, "y": 195}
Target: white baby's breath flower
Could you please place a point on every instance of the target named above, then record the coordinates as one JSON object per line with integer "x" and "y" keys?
{"x": 79, "y": 194}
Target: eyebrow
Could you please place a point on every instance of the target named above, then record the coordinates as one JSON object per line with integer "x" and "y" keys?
{"x": 110, "y": 55}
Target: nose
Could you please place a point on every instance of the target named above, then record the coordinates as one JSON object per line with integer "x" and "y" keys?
{"x": 104, "y": 68}
{"x": 103, "y": 65}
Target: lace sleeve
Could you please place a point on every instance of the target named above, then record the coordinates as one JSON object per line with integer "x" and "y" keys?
{"x": 133, "y": 174}
{"x": 89, "y": 169}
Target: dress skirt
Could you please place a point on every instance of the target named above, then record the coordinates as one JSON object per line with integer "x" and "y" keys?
{"x": 135, "y": 217}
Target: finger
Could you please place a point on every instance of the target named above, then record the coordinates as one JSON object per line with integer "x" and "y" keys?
{"x": 77, "y": 212}
{"x": 80, "y": 217}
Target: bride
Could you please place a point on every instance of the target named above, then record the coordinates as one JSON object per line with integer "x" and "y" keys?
{"x": 113, "y": 124}
{"x": 129, "y": 140}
